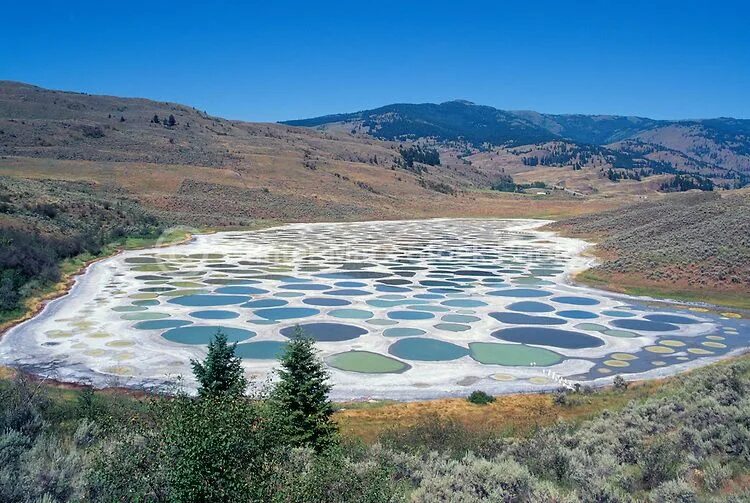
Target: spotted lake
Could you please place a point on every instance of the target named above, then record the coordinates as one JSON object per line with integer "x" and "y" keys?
{"x": 404, "y": 310}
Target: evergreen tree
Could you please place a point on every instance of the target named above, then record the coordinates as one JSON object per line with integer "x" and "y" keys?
{"x": 299, "y": 402}
{"x": 171, "y": 121}
{"x": 156, "y": 120}
{"x": 221, "y": 372}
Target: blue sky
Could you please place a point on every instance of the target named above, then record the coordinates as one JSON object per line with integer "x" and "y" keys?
{"x": 281, "y": 60}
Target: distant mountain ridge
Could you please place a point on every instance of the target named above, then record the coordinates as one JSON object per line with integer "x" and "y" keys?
{"x": 721, "y": 144}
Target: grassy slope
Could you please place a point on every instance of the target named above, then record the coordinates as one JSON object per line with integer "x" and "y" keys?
{"x": 639, "y": 286}
{"x": 691, "y": 247}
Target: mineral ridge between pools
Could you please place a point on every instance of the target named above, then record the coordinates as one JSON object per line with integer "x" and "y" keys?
{"x": 403, "y": 310}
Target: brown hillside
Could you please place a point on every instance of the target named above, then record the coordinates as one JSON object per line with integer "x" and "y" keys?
{"x": 206, "y": 170}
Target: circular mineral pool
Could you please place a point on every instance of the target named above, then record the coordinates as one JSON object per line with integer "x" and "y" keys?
{"x": 460, "y": 318}
{"x": 392, "y": 289}
{"x": 618, "y": 314}
{"x": 395, "y": 302}
{"x": 471, "y": 272}
{"x": 230, "y": 281}
{"x": 453, "y": 327}
{"x": 143, "y": 316}
{"x": 463, "y": 303}
{"x": 671, "y": 318}
{"x": 410, "y": 315}
{"x": 424, "y": 349}
{"x": 366, "y": 362}
{"x": 214, "y": 315}
{"x": 403, "y": 332}
{"x": 519, "y": 292}
{"x": 261, "y": 350}
{"x": 431, "y": 296}
{"x": 623, "y": 356}
{"x": 204, "y": 334}
{"x": 208, "y": 300}
{"x": 321, "y": 301}
{"x": 577, "y": 314}
{"x": 142, "y": 260}
{"x": 433, "y": 282}
{"x": 355, "y": 314}
{"x": 129, "y": 309}
{"x": 160, "y": 324}
{"x": 241, "y": 290}
{"x": 382, "y": 322}
{"x": 354, "y": 275}
{"x": 286, "y": 313}
{"x": 147, "y": 302}
{"x": 492, "y": 353}
{"x": 306, "y": 286}
{"x": 548, "y": 337}
{"x": 346, "y": 292}
{"x": 530, "y": 306}
{"x": 264, "y": 303}
{"x": 613, "y": 332}
{"x": 527, "y": 280}
{"x": 575, "y": 301}
{"x": 326, "y": 332}
{"x": 645, "y": 325}
{"x": 525, "y": 319}
{"x": 432, "y": 309}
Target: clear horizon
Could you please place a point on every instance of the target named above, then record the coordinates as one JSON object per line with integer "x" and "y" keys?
{"x": 255, "y": 62}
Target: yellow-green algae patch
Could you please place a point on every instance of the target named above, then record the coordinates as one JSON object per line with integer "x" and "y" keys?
{"x": 366, "y": 362}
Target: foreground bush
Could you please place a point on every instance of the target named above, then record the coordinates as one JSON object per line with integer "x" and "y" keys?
{"x": 688, "y": 443}
{"x": 480, "y": 398}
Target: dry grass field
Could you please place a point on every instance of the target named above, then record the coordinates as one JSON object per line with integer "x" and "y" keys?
{"x": 210, "y": 196}
{"x": 516, "y": 414}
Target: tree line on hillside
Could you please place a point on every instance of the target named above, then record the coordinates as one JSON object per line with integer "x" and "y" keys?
{"x": 617, "y": 175}
{"x": 682, "y": 183}
{"x": 505, "y": 183}
{"x": 419, "y": 154}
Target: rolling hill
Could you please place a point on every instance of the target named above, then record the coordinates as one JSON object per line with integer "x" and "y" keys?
{"x": 522, "y": 141}
{"x": 201, "y": 170}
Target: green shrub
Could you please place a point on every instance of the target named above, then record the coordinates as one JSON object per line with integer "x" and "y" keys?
{"x": 675, "y": 491}
{"x": 472, "y": 479}
{"x": 715, "y": 474}
{"x": 480, "y": 398}
{"x": 620, "y": 383}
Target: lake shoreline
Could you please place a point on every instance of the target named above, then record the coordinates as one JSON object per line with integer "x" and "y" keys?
{"x": 580, "y": 263}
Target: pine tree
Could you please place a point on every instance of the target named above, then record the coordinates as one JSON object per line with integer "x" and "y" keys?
{"x": 299, "y": 401}
{"x": 171, "y": 121}
{"x": 156, "y": 120}
{"x": 221, "y": 372}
